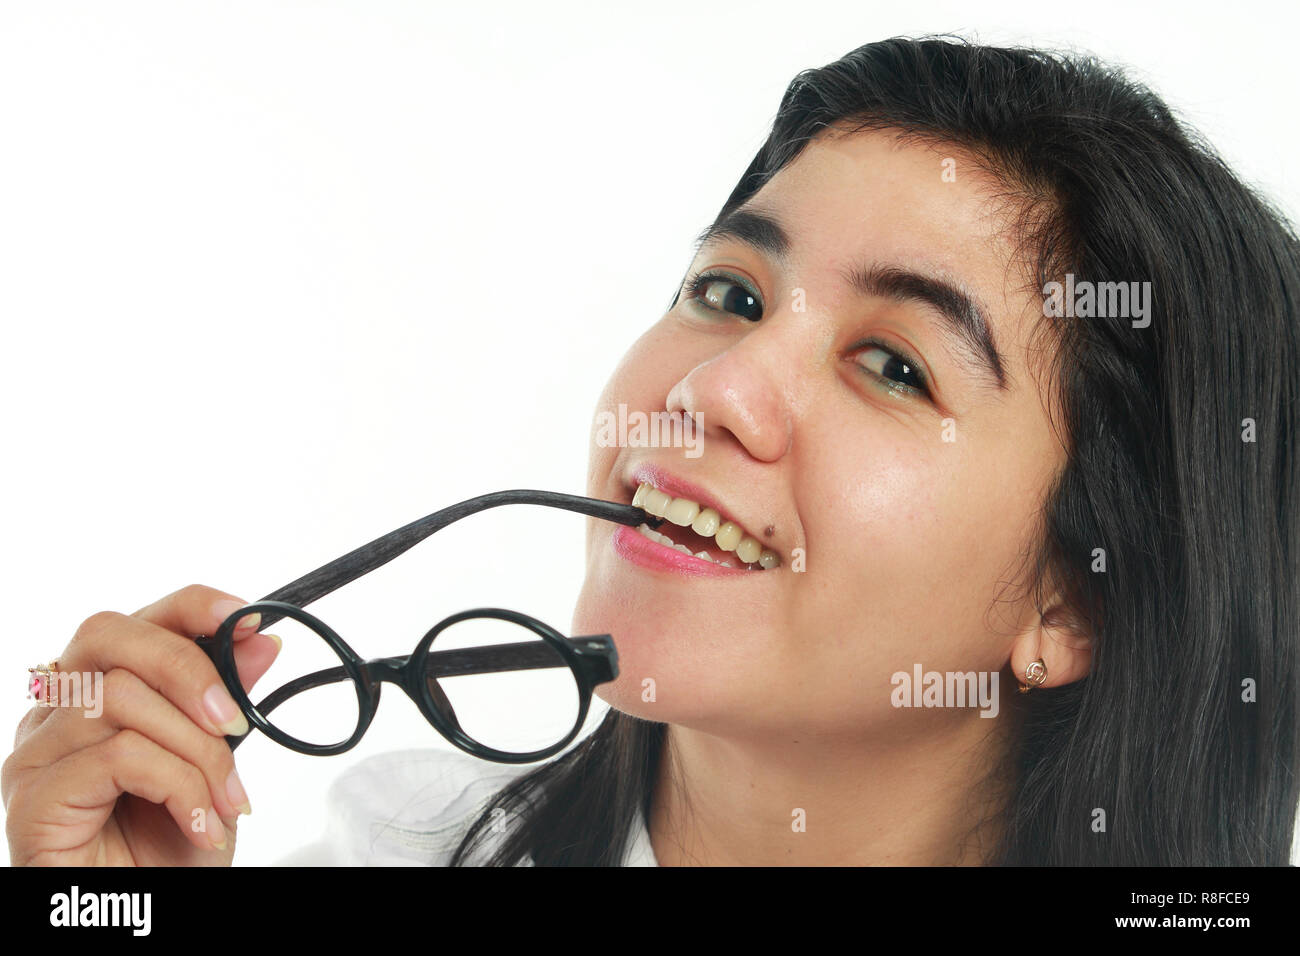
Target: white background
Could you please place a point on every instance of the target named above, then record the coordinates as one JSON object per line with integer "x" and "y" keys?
{"x": 279, "y": 277}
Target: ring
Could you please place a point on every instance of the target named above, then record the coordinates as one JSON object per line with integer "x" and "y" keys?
{"x": 40, "y": 685}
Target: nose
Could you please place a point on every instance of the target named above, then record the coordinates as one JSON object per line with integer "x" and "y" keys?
{"x": 740, "y": 393}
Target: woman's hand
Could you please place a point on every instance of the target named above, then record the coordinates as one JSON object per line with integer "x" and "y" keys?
{"x": 151, "y": 780}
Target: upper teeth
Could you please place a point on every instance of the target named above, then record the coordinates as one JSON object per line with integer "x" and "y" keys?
{"x": 705, "y": 522}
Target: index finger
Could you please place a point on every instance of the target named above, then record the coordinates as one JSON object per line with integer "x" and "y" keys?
{"x": 190, "y": 611}
{"x": 194, "y": 610}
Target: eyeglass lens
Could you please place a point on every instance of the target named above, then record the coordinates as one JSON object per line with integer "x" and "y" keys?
{"x": 515, "y": 711}
{"x": 308, "y": 694}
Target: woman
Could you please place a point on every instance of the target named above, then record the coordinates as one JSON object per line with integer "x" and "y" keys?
{"x": 997, "y": 364}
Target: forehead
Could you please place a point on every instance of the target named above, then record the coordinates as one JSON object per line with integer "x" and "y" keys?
{"x": 865, "y": 186}
{"x": 873, "y": 197}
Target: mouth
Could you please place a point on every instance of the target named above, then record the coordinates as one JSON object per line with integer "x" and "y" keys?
{"x": 699, "y": 531}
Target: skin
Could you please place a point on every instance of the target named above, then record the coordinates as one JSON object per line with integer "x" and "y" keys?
{"x": 122, "y": 790}
{"x": 777, "y": 684}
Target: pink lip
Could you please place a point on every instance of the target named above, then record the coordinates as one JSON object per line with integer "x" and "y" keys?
{"x": 637, "y": 548}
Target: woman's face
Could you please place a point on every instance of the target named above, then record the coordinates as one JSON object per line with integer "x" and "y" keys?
{"x": 861, "y": 431}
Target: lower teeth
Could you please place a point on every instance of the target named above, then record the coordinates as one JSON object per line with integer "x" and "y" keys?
{"x": 653, "y": 535}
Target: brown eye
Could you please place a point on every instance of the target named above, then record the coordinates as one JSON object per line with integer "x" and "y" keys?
{"x": 723, "y": 293}
{"x": 894, "y": 371}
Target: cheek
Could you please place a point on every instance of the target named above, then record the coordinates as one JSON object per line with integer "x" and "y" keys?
{"x": 643, "y": 371}
{"x": 623, "y": 387}
{"x": 911, "y": 543}
{"x": 639, "y": 381}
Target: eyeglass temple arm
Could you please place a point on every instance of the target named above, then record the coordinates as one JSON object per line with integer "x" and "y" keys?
{"x": 316, "y": 584}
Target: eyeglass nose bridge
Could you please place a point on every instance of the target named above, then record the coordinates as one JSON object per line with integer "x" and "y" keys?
{"x": 390, "y": 670}
{"x": 398, "y": 670}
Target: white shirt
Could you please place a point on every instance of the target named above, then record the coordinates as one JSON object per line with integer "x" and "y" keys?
{"x": 412, "y": 807}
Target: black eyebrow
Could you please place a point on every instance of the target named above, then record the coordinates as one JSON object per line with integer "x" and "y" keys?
{"x": 962, "y": 316}
{"x": 757, "y": 229}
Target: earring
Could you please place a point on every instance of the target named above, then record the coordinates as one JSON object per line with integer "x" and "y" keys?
{"x": 1036, "y": 674}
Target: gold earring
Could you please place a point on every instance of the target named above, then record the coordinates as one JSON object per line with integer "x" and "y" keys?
{"x": 1036, "y": 674}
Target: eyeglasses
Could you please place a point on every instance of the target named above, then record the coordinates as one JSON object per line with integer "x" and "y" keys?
{"x": 333, "y": 694}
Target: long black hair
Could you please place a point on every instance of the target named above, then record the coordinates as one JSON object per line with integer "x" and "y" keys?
{"x": 1181, "y": 439}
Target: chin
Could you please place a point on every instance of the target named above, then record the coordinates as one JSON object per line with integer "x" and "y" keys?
{"x": 653, "y": 647}
{"x": 624, "y": 695}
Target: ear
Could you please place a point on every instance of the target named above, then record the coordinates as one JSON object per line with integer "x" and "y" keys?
{"x": 1061, "y": 640}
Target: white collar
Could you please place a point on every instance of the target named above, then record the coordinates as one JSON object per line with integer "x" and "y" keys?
{"x": 412, "y": 807}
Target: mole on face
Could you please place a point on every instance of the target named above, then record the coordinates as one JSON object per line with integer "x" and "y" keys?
{"x": 769, "y": 531}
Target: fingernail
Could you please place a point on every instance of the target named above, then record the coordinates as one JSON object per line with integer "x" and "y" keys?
{"x": 224, "y": 712}
{"x": 250, "y": 622}
{"x": 279, "y": 644}
{"x": 235, "y": 791}
{"x": 218, "y": 839}
{"x": 225, "y": 607}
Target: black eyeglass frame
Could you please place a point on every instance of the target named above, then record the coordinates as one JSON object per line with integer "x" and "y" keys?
{"x": 592, "y": 659}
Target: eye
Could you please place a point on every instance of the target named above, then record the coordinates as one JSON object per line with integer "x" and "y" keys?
{"x": 720, "y": 292}
{"x": 893, "y": 369}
